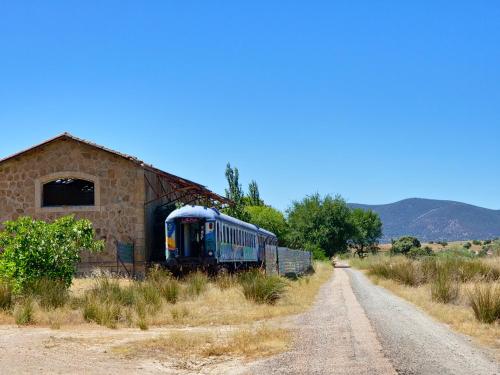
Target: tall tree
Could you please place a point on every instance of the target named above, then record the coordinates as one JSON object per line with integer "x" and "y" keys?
{"x": 323, "y": 222}
{"x": 269, "y": 218}
{"x": 253, "y": 194}
{"x": 367, "y": 231}
{"x": 235, "y": 193}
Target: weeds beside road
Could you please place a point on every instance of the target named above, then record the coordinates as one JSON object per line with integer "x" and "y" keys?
{"x": 163, "y": 300}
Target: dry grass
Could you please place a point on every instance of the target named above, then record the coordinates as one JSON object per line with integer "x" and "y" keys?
{"x": 160, "y": 301}
{"x": 246, "y": 343}
{"x": 229, "y": 306}
{"x": 459, "y": 316}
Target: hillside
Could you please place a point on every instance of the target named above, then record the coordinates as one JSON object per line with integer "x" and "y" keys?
{"x": 434, "y": 220}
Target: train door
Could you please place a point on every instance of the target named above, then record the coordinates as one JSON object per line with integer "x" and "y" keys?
{"x": 192, "y": 234}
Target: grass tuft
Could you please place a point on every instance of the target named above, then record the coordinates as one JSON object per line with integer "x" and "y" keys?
{"x": 261, "y": 288}
{"x": 24, "y": 311}
{"x": 444, "y": 288}
{"x": 485, "y": 301}
{"x": 196, "y": 283}
{"x": 49, "y": 293}
{"x": 5, "y": 296}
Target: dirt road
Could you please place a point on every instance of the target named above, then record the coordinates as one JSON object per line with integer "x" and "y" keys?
{"x": 356, "y": 327}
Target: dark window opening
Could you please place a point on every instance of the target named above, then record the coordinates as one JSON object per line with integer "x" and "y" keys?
{"x": 68, "y": 192}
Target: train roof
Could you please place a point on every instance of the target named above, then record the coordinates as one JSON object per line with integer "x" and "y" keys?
{"x": 213, "y": 214}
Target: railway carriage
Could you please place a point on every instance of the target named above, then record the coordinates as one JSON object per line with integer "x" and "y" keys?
{"x": 198, "y": 236}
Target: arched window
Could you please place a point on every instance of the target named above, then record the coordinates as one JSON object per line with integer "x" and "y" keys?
{"x": 68, "y": 192}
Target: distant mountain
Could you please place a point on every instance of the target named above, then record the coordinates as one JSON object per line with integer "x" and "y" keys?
{"x": 436, "y": 220}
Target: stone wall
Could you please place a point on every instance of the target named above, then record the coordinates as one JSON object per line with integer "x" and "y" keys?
{"x": 118, "y": 214}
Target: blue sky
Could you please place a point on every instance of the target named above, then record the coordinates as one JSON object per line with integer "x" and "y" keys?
{"x": 376, "y": 101}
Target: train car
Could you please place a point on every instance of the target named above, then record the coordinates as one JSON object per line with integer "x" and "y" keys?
{"x": 198, "y": 236}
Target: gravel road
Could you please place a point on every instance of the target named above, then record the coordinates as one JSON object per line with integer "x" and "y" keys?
{"x": 356, "y": 327}
{"x": 334, "y": 337}
{"x": 415, "y": 342}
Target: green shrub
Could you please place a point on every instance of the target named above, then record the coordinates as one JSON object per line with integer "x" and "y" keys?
{"x": 486, "y": 242}
{"x": 24, "y": 311}
{"x": 404, "y": 244}
{"x": 419, "y": 252}
{"x": 457, "y": 251}
{"x": 261, "y": 288}
{"x": 5, "y": 296}
{"x": 34, "y": 249}
{"x": 476, "y": 242}
{"x": 467, "y": 245}
{"x": 485, "y": 301}
{"x": 444, "y": 287}
{"x": 317, "y": 252}
{"x": 196, "y": 283}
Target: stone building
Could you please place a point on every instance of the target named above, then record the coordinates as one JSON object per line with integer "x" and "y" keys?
{"x": 126, "y": 199}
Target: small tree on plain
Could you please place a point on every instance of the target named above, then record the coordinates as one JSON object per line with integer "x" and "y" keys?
{"x": 367, "y": 231}
{"x": 404, "y": 244}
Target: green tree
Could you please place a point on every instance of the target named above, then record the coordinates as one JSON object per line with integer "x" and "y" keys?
{"x": 325, "y": 222}
{"x": 31, "y": 250}
{"x": 367, "y": 231}
{"x": 235, "y": 193}
{"x": 404, "y": 244}
{"x": 253, "y": 198}
{"x": 270, "y": 219}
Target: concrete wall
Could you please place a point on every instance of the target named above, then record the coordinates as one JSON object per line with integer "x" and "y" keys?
{"x": 293, "y": 261}
{"x": 118, "y": 213}
{"x": 284, "y": 261}
{"x": 271, "y": 260}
